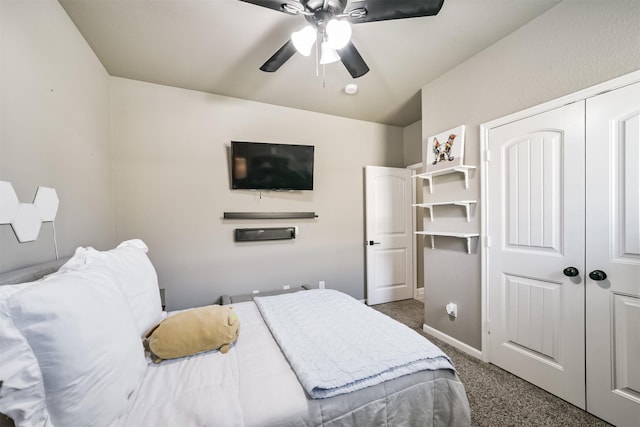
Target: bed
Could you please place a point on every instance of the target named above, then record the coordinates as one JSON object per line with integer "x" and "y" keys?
{"x": 254, "y": 384}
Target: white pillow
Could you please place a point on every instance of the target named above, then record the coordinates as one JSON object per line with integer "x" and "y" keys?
{"x": 22, "y": 396}
{"x": 81, "y": 330}
{"x": 137, "y": 277}
{"x": 76, "y": 262}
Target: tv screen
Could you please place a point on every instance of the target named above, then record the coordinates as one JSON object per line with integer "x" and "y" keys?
{"x": 264, "y": 166}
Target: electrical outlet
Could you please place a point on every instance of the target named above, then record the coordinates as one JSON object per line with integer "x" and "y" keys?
{"x": 285, "y": 287}
{"x": 321, "y": 284}
{"x": 255, "y": 291}
{"x": 452, "y": 309}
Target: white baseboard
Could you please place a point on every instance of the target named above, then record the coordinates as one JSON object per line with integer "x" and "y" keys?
{"x": 419, "y": 294}
{"x": 453, "y": 342}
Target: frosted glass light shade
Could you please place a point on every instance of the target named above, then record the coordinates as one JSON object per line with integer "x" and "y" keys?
{"x": 328, "y": 54}
{"x": 304, "y": 39}
{"x": 338, "y": 33}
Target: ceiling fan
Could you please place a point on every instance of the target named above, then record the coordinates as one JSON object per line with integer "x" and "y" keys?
{"x": 329, "y": 27}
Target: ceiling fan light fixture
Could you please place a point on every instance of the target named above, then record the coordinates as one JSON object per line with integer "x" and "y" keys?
{"x": 328, "y": 54}
{"x": 338, "y": 33}
{"x": 304, "y": 39}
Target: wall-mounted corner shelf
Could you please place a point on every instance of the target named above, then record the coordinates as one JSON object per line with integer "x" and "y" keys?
{"x": 432, "y": 234}
{"x": 465, "y": 203}
{"x": 463, "y": 169}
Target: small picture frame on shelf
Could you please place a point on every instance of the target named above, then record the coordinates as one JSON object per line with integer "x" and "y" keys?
{"x": 444, "y": 150}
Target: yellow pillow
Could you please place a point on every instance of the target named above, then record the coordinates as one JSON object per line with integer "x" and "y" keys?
{"x": 194, "y": 331}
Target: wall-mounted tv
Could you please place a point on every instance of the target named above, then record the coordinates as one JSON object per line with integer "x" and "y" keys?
{"x": 266, "y": 166}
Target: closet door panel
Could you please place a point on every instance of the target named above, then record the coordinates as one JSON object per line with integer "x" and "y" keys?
{"x": 536, "y": 226}
{"x": 613, "y": 247}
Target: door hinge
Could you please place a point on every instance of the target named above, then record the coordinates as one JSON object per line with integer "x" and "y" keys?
{"x": 487, "y": 242}
{"x": 487, "y": 155}
{"x": 487, "y": 327}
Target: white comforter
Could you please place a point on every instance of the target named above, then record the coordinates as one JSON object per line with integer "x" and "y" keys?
{"x": 337, "y": 345}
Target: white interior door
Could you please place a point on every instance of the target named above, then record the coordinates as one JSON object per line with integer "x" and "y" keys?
{"x": 536, "y": 230}
{"x": 613, "y": 247}
{"x": 388, "y": 234}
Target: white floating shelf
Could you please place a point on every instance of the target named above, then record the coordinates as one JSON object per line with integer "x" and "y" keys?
{"x": 465, "y": 203}
{"x": 463, "y": 169}
{"x": 432, "y": 234}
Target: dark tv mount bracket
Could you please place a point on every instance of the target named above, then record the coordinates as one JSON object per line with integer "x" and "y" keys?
{"x": 270, "y": 215}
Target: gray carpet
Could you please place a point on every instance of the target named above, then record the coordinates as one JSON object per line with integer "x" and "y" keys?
{"x": 497, "y": 398}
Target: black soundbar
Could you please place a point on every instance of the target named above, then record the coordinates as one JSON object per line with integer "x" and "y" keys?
{"x": 269, "y": 215}
{"x": 257, "y": 234}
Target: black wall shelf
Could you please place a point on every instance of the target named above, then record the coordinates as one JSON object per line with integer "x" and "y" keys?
{"x": 269, "y": 215}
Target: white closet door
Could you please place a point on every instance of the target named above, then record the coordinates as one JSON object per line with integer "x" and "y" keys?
{"x": 613, "y": 247}
{"x": 536, "y": 230}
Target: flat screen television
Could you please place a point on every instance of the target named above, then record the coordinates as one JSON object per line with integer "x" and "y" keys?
{"x": 266, "y": 166}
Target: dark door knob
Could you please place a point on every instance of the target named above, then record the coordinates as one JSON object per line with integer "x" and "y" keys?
{"x": 598, "y": 275}
{"x": 371, "y": 243}
{"x": 570, "y": 271}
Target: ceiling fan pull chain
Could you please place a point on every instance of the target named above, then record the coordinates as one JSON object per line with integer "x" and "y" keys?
{"x": 317, "y": 59}
{"x": 324, "y": 75}
{"x": 324, "y": 66}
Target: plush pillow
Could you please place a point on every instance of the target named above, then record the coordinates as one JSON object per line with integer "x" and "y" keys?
{"x": 81, "y": 330}
{"x": 76, "y": 262}
{"x": 22, "y": 396}
{"x": 194, "y": 331}
{"x": 137, "y": 277}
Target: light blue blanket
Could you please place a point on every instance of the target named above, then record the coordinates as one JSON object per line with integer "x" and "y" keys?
{"x": 337, "y": 345}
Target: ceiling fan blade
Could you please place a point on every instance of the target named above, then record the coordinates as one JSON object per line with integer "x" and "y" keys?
{"x": 352, "y": 61}
{"x": 280, "y": 57}
{"x": 383, "y": 10}
{"x": 278, "y": 5}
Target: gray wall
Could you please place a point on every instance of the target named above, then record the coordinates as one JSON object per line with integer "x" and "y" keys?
{"x": 54, "y": 129}
{"x": 171, "y": 178}
{"x": 573, "y": 46}
{"x": 412, "y": 145}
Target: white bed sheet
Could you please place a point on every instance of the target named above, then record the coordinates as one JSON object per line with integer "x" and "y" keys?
{"x": 270, "y": 393}
{"x": 215, "y": 389}
{"x": 199, "y": 390}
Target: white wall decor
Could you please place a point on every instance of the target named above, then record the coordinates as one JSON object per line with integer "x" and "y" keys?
{"x": 26, "y": 218}
{"x": 27, "y": 223}
{"x": 445, "y": 150}
{"x": 46, "y": 202}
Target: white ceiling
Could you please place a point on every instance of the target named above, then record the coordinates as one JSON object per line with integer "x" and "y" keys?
{"x": 217, "y": 46}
